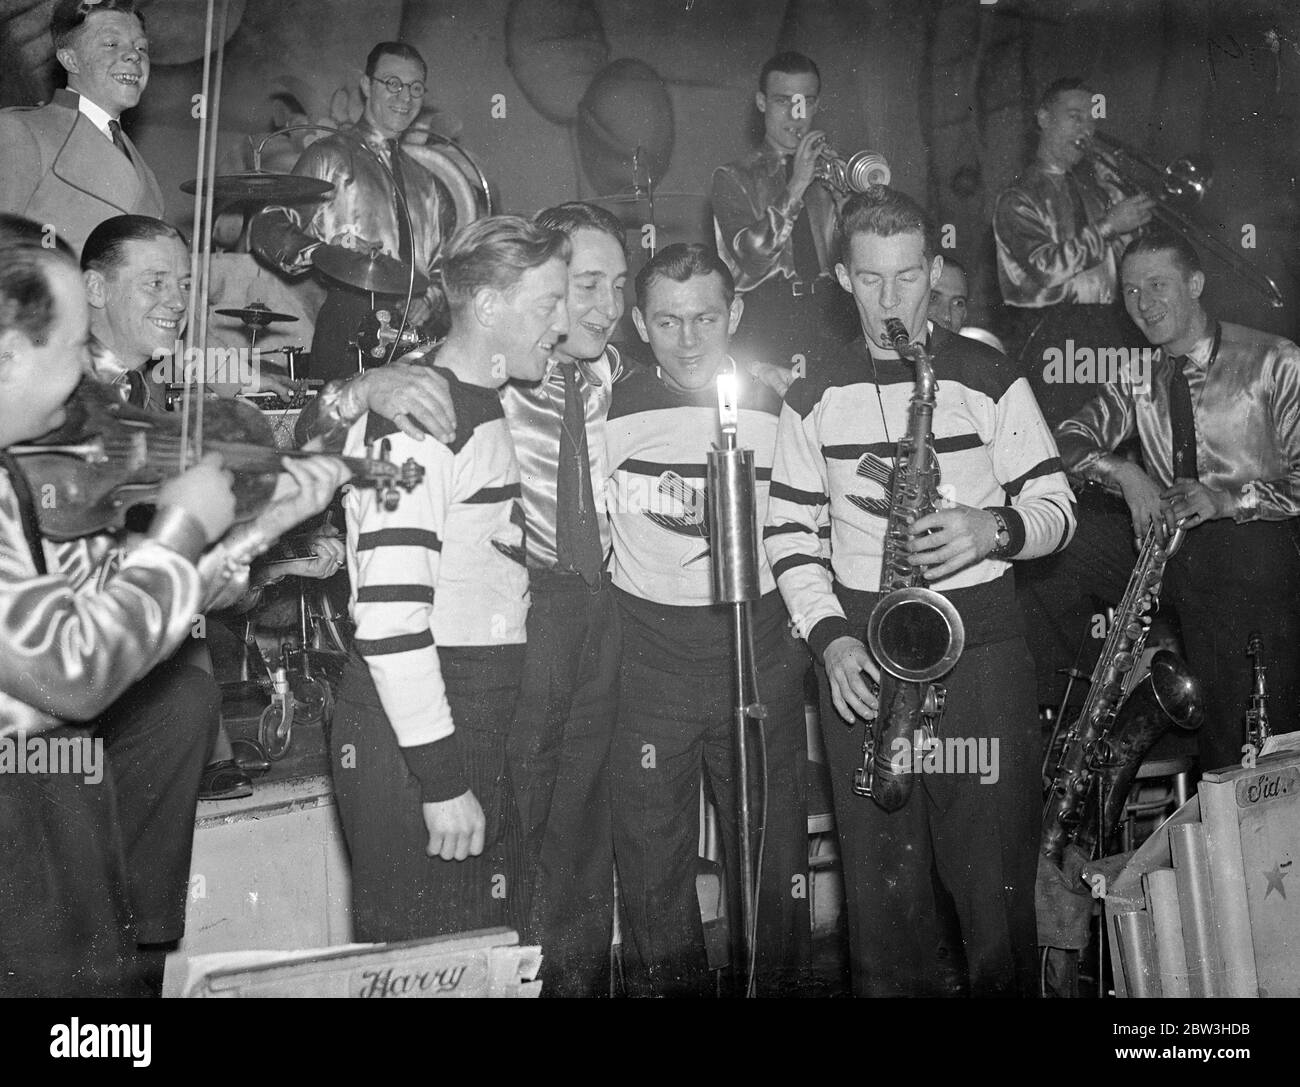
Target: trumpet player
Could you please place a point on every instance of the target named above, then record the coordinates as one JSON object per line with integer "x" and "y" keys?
{"x": 774, "y": 222}
{"x": 1218, "y": 419}
{"x": 1008, "y": 501}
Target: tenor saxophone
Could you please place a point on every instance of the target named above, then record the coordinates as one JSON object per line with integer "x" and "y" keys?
{"x": 1120, "y": 720}
{"x": 915, "y": 634}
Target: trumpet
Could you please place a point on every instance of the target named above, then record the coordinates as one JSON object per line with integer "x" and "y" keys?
{"x": 861, "y": 170}
{"x": 1176, "y": 188}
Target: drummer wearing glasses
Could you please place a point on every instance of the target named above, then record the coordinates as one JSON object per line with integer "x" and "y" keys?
{"x": 371, "y": 175}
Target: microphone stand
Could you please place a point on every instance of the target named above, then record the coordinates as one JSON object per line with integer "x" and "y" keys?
{"x": 733, "y": 540}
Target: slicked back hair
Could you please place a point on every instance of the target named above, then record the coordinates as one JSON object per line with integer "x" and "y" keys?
{"x": 495, "y": 252}
{"x": 1059, "y": 87}
{"x": 69, "y": 16}
{"x": 105, "y": 249}
{"x": 790, "y": 63}
{"x": 1159, "y": 239}
{"x": 681, "y": 262}
{"x": 26, "y": 257}
{"x": 394, "y": 49}
{"x": 576, "y": 215}
{"x": 886, "y": 212}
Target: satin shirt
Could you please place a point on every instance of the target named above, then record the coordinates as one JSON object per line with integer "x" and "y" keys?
{"x": 362, "y": 207}
{"x": 535, "y": 414}
{"x": 1043, "y": 256}
{"x": 1246, "y": 404}
{"x": 753, "y": 224}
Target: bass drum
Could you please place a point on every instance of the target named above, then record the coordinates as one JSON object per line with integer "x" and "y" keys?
{"x": 456, "y": 168}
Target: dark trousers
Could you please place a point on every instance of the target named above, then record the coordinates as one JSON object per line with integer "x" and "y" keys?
{"x": 336, "y": 328}
{"x": 158, "y": 736}
{"x": 675, "y": 726}
{"x": 779, "y": 327}
{"x": 65, "y": 918}
{"x": 1226, "y": 581}
{"x": 981, "y": 839}
{"x": 559, "y": 764}
{"x": 1061, "y": 594}
{"x": 398, "y": 891}
{"x": 1034, "y": 332}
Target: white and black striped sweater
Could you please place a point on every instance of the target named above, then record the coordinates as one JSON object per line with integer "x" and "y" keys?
{"x": 994, "y": 451}
{"x": 445, "y": 568}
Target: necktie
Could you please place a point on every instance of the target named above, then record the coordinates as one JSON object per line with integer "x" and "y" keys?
{"x": 138, "y": 395}
{"x": 1182, "y": 421}
{"x": 400, "y": 206}
{"x": 26, "y": 509}
{"x": 1077, "y": 202}
{"x": 807, "y": 266}
{"x": 577, "y": 534}
{"x": 119, "y": 141}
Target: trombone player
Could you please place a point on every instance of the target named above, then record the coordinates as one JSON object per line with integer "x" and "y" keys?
{"x": 1060, "y": 229}
{"x": 774, "y": 221}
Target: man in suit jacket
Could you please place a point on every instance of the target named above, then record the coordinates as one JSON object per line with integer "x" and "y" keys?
{"x": 68, "y": 163}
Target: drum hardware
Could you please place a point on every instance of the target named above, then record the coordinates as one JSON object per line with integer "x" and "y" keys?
{"x": 369, "y": 270}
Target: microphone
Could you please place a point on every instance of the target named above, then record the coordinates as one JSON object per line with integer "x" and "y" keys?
{"x": 733, "y": 531}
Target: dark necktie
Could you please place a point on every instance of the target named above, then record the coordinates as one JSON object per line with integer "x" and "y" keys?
{"x": 26, "y": 509}
{"x": 119, "y": 141}
{"x": 807, "y": 266}
{"x": 577, "y": 532}
{"x": 400, "y": 205}
{"x": 1077, "y": 201}
{"x": 138, "y": 394}
{"x": 1182, "y": 421}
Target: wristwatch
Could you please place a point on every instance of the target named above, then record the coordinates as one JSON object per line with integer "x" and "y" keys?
{"x": 1001, "y": 541}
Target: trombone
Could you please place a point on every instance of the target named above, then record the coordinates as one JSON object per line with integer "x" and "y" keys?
{"x": 1176, "y": 189}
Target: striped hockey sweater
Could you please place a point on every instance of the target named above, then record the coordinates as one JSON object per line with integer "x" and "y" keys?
{"x": 658, "y": 445}
{"x": 994, "y": 451}
{"x": 446, "y": 568}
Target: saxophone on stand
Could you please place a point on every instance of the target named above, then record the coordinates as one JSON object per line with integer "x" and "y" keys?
{"x": 1257, "y": 730}
{"x": 1121, "y": 719}
{"x": 915, "y": 634}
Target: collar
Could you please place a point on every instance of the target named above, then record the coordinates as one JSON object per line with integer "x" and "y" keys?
{"x": 105, "y": 365}
{"x": 96, "y": 115}
{"x": 1203, "y": 351}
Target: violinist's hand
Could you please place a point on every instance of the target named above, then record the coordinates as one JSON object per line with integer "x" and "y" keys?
{"x": 413, "y": 397}
{"x": 203, "y": 492}
{"x": 305, "y": 487}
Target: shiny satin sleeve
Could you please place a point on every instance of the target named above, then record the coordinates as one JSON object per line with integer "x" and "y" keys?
{"x": 1278, "y": 497}
{"x": 65, "y": 654}
{"x": 282, "y": 235}
{"x": 751, "y": 244}
{"x": 1036, "y": 256}
{"x": 1088, "y": 439}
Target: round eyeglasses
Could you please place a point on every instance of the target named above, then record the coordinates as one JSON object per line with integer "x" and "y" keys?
{"x": 396, "y": 86}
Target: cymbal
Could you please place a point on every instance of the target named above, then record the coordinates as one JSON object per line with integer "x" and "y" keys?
{"x": 257, "y": 315}
{"x": 264, "y": 187}
{"x": 368, "y": 270}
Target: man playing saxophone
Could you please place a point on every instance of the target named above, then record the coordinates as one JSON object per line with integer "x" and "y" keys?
{"x": 1217, "y": 413}
{"x": 1002, "y": 497}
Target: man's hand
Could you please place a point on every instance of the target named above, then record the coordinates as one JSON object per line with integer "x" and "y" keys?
{"x": 1129, "y": 214}
{"x": 410, "y": 395}
{"x": 203, "y": 491}
{"x": 958, "y": 537}
{"x": 1193, "y": 503}
{"x": 419, "y": 311}
{"x": 1146, "y": 504}
{"x": 777, "y": 378}
{"x": 804, "y": 163}
{"x": 286, "y": 390}
{"x": 846, "y": 659}
{"x": 303, "y": 488}
{"x": 456, "y": 827}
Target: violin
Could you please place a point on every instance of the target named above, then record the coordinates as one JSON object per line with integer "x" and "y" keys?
{"x": 109, "y": 457}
